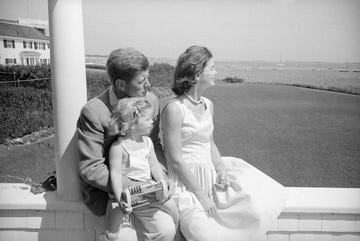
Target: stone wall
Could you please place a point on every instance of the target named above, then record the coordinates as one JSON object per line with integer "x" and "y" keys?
{"x": 321, "y": 214}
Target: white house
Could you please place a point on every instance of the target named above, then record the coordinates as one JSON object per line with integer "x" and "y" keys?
{"x": 23, "y": 45}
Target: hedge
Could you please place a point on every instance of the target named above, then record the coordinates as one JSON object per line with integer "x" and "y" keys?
{"x": 96, "y": 82}
{"x": 24, "y": 110}
{"x": 161, "y": 75}
{"x": 233, "y": 80}
{"x": 28, "y": 72}
{"x": 27, "y": 109}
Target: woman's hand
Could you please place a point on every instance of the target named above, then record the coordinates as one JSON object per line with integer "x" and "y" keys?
{"x": 222, "y": 179}
{"x": 208, "y": 205}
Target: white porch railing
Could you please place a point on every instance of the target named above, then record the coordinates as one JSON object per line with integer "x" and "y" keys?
{"x": 311, "y": 214}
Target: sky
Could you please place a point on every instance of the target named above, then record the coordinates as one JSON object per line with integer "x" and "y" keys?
{"x": 270, "y": 30}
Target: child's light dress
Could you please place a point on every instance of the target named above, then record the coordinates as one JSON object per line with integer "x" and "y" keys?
{"x": 149, "y": 217}
{"x": 245, "y": 211}
{"x": 137, "y": 166}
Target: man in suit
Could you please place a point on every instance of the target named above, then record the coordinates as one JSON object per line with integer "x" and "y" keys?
{"x": 128, "y": 72}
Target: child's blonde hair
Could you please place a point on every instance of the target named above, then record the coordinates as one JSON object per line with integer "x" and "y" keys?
{"x": 126, "y": 113}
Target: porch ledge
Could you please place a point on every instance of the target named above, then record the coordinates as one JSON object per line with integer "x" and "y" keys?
{"x": 323, "y": 200}
{"x": 17, "y": 196}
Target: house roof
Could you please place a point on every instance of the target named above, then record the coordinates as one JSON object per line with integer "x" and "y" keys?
{"x": 20, "y": 31}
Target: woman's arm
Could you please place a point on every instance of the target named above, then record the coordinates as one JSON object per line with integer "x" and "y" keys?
{"x": 171, "y": 123}
{"x": 155, "y": 167}
{"x": 115, "y": 160}
{"x": 216, "y": 158}
{"x": 158, "y": 173}
{"x": 154, "y": 135}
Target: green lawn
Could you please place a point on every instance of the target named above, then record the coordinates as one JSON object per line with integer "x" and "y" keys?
{"x": 35, "y": 161}
{"x": 300, "y": 137}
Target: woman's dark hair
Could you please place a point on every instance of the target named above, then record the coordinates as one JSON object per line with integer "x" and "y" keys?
{"x": 190, "y": 64}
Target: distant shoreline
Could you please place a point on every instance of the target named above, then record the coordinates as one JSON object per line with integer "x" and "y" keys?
{"x": 164, "y": 59}
{"x": 329, "y": 77}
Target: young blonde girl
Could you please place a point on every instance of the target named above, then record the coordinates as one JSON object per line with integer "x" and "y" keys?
{"x": 132, "y": 156}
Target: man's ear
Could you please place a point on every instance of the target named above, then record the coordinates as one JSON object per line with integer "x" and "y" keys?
{"x": 120, "y": 84}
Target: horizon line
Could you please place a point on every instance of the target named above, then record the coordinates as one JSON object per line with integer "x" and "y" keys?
{"x": 239, "y": 60}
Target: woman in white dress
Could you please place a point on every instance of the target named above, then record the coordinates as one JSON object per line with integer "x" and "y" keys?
{"x": 219, "y": 198}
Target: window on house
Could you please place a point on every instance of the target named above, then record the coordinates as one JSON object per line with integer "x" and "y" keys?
{"x": 27, "y": 61}
{"x": 10, "y": 61}
{"x": 32, "y": 61}
{"x": 9, "y": 43}
{"x": 35, "y": 45}
{"x": 48, "y": 45}
{"x": 43, "y": 61}
{"x": 30, "y": 45}
{"x": 24, "y": 44}
{"x": 43, "y": 46}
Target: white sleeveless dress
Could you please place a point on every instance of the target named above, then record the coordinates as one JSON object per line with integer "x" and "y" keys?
{"x": 245, "y": 211}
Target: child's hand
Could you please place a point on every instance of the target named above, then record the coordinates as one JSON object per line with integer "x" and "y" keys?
{"x": 125, "y": 207}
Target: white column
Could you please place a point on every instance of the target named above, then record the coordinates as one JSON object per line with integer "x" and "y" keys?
{"x": 68, "y": 88}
